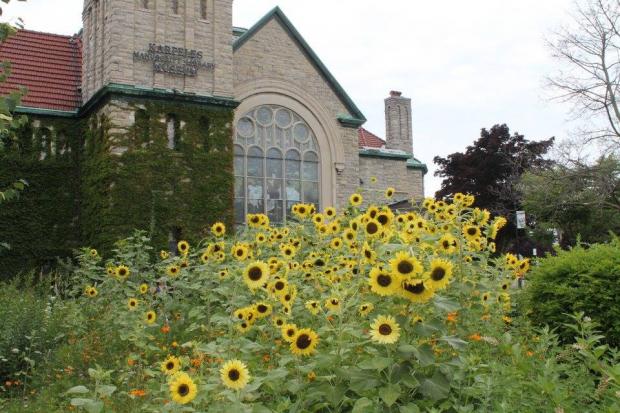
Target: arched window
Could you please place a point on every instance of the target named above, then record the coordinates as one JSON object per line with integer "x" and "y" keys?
{"x": 277, "y": 163}
{"x": 171, "y": 131}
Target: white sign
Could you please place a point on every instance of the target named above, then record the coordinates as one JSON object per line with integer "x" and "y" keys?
{"x": 520, "y": 219}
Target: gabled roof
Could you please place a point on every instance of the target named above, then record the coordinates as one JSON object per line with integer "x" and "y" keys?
{"x": 369, "y": 140}
{"x": 48, "y": 65}
{"x": 276, "y": 13}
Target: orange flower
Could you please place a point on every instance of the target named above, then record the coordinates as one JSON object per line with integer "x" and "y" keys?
{"x": 452, "y": 317}
{"x": 138, "y": 393}
{"x": 530, "y": 353}
{"x": 196, "y": 362}
{"x": 165, "y": 329}
{"x": 475, "y": 337}
{"x": 266, "y": 358}
{"x": 131, "y": 362}
{"x": 8, "y": 383}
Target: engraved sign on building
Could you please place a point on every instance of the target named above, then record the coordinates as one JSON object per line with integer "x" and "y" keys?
{"x": 173, "y": 60}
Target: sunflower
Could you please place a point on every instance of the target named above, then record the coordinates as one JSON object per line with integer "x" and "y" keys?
{"x": 173, "y": 270}
{"x": 262, "y": 309}
{"x": 277, "y": 321}
{"x": 111, "y": 271}
{"x": 132, "y": 303}
{"x": 336, "y": 243}
{"x": 318, "y": 219}
{"x": 278, "y": 286}
{"x": 183, "y": 247}
{"x": 164, "y": 255}
{"x": 256, "y": 274}
{"x": 235, "y": 374}
{"x": 372, "y": 228}
{"x": 93, "y": 253}
{"x": 471, "y": 232}
{"x": 447, "y": 244}
{"x": 385, "y": 330}
{"x": 405, "y": 265}
{"x": 144, "y": 288}
{"x": 439, "y": 274}
{"x": 260, "y": 238}
{"x": 304, "y": 343}
{"x": 223, "y": 273}
{"x": 122, "y": 271}
{"x": 182, "y": 388}
{"x": 356, "y": 200}
{"x": 240, "y": 252}
{"x": 204, "y": 257}
{"x": 485, "y": 298}
{"x": 288, "y": 331}
{"x": 330, "y": 212}
{"x": 369, "y": 255}
{"x": 150, "y": 317}
{"x": 366, "y": 309}
{"x": 417, "y": 291}
{"x": 218, "y": 229}
{"x": 333, "y": 304}
{"x": 171, "y": 365}
{"x": 383, "y": 282}
{"x": 313, "y": 306}
{"x": 91, "y": 292}
{"x": 389, "y": 192}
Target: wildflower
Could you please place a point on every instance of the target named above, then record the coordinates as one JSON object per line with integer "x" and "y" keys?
{"x": 218, "y": 229}
{"x": 144, "y": 288}
{"x": 383, "y": 283}
{"x": 183, "y": 247}
{"x": 389, "y": 192}
{"x": 132, "y": 303}
{"x": 356, "y": 200}
{"x": 122, "y": 271}
{"x": 439, "y": 274}
{"x": 91, "y": 292}
{"x": 475, "y": 337}
{"x": 164, "y": 255}
{"x": 288, "y": 332}
{"x": 385, "y": 330}
{"x": 173, "y": 270}
{"x": 137, "y": 393}
{"x": 171, "y": 365}
{"x": 313, "y": 306}
{"x": 256, "y": 274}
{"x": 405, "y": 265}
{"x": 182, "y": 388}
{"x": 366, "y": 309}
{"x": 235, "y": 375}
{"x": 150, "y": 317}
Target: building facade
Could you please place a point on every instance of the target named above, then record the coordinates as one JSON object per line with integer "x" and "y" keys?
{"x": 161, "y": 115}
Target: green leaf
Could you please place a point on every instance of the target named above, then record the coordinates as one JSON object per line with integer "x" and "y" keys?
{"x": 375, "y": 363}
{"x": 454, "y": 342}
{"x": 436, "y": 387}
{"x": 77, "y": 390}
{"x": 389, "y": 394}
{"x": 445, "y": 304}
{"x": 409, "y": 408}
{"x": 106, "y": 389}
{"x": 362, "y": 405}
{"x": 425, "y": 355}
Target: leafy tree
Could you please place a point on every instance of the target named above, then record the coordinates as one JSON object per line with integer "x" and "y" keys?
{"x": 576, "y": 197}
{"x": 491, "y": 169}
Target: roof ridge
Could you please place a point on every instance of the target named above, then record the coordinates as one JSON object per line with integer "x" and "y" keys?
{"x": 48, "y": 33}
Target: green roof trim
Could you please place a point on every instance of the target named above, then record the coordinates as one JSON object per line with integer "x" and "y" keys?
{"x": 27, "y": 110}
{"x": 378, "y": 153}
{"x": 238, "y": 31}
{"x": 276, "y": 13}
{"x": 350, "y": 122}
{"x": 413, "y": 163}
{"x": 156, "y": 93}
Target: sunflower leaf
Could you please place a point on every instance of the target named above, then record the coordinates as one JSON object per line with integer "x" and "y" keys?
{"x": 389, "y": 394}
{"x": 436, "y": 387}
{"x": 454, "y": 342}
{"x": 445, "y": 304}
{"x": 376, "y": 363}
{"x": 78, "y": 390}
{"x": 362, "y": 405}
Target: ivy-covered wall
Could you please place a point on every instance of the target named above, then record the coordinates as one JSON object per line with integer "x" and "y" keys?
{"x": 43, "y": 222}
{"x": 94, "y": 180}
{"x": 132, "y": 179}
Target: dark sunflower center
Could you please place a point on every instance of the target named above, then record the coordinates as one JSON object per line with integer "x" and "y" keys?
{"x": 287, "y": 297}
{"x": 356, "y": 199}
{"x": 290, "y": 332}
{"x": 301, "y": 210}
{"x": 368, "y": 254}
{"x": 504, "y": 286}
{"x": 385, "y": 329}
{"x": 170, "y": 365}
{"x": 471, "y": 231}
{"x": 404, "y": 267}
{"x": 334, "y": 302}
{"x": 279, "y": 285}
{"x": 417, "y": 288}
{"x": 384, "y": 280}
{"x": 255, "y": 220}
{"x": 255, "y": 273}
{"x": 364, "y": 307}
{"x": 150, "y": 316}
{"x": 183, "y": 389}
{"x": 239, "y": 252}
{"x": 262, "y": 308}
{"x": 372, "y": 228}
{"x": 319, "y": 262}
{"x": 234, "y": 374}
{"x": 279, "y": 322}
{"x": 122, "y": 272}
{"x": 383, "y": 219}
{"x": 446, "y": 244}
{"x": 438, "y": 274}
{"x": 303, "y": 341}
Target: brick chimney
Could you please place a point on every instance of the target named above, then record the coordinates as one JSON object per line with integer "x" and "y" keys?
{"x": 398, "y": 122}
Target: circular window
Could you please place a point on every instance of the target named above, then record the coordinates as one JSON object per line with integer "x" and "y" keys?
{"x": 245, "y": 128}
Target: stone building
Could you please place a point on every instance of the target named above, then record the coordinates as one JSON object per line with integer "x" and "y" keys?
{"x": 161, "y": 115}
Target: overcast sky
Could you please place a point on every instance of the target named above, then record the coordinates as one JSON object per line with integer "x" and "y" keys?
{"x": 466, "y": 65}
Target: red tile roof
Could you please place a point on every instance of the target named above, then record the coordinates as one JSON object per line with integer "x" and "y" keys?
{"x": 369, "y": 140}
{"x": 48, "y": 65}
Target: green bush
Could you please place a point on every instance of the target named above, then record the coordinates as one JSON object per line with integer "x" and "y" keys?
{"x": 580, "y": 280}
{"x": 30, "y": 329}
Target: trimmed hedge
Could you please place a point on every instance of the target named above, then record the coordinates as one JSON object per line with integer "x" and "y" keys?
{"x": 582, "y": 279}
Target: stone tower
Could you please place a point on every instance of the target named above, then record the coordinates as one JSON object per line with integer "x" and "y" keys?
{"x": 398, "y": 133}
{"x": 179, "y": 45}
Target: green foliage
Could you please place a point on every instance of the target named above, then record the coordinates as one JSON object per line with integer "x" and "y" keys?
{"x": 30, "y": 328}
{"x": 579, "y": 280}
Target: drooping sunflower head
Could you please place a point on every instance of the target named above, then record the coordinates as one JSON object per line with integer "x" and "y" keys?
{"x": 417, "y": 291}
{"x": 385, "y": 330}
{"x": 405, "y": 265}
{"x": 234, "y": 374}
{"x": 333, "y": 304}
{"x": 304, "y": 342}
{"x": 313, "y": 306}
{"x": 256, "y": 274}
{"x": 365, "y": 309}
{"x": 164, "y": 255}
{"x": 171, "y": 365}
{"x": 182, "y": 388}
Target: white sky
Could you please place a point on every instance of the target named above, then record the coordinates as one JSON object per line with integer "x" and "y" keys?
{"x": 465, "y": 64}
